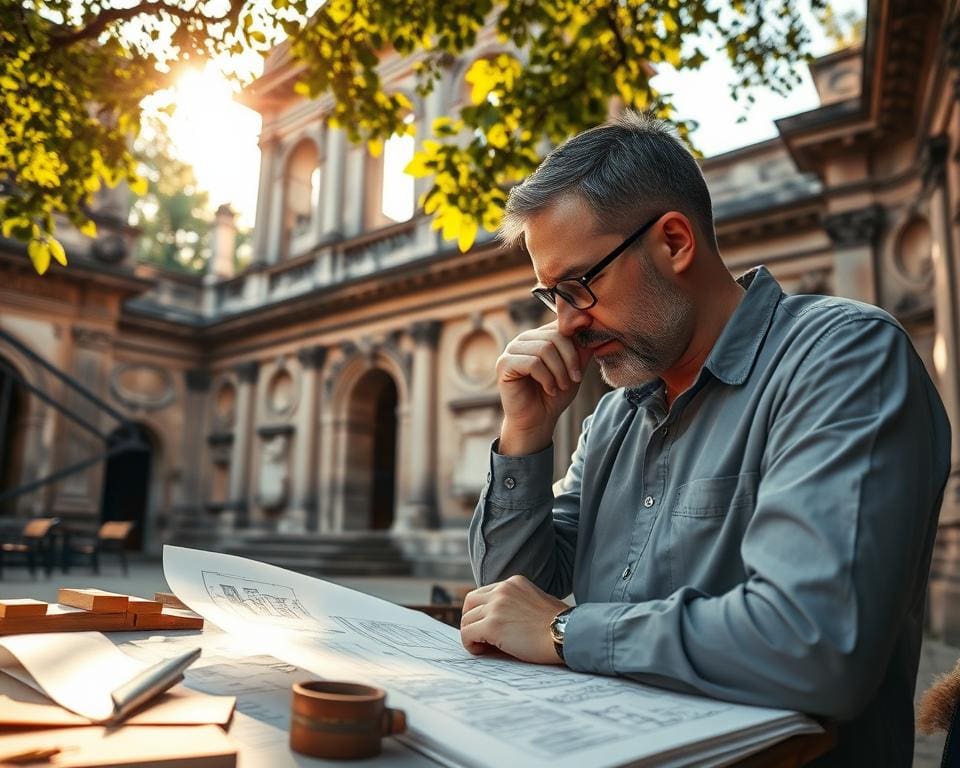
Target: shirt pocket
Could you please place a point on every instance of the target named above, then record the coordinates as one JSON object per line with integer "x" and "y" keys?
{"x": 707, "y": 524}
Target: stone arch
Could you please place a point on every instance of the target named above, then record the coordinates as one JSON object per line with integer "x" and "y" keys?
{"x": 341, "y": 430}
{"x": 35, "y": 424}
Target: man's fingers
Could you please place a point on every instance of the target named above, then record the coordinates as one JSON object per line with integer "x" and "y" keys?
{"x": 473, "y": 638}
{"x": 514, "y": 367}
{"x": 477, "y": 596}
{"x": 547, "y": 351}
{"x": 573, "y": 360}
{"x": 473, "y": 615}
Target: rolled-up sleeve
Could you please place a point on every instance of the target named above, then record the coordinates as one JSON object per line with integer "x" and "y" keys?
{"x": 835, "y": 555}
{"x": 520, "y": 526}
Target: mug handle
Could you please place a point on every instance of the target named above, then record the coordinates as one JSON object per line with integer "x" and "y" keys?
{"x": 393, "y": 722}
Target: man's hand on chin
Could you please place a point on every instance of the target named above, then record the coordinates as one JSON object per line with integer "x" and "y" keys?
{"x": 514, "y": 616}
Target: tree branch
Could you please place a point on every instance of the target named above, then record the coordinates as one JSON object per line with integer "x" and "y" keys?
{"x": 111, "y": 15}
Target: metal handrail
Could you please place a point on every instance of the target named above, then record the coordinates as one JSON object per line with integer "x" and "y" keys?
{"x": 129, "y": 437}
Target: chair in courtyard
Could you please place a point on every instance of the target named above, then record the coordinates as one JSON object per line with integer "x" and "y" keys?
{"x": 34, "y": 545}
{"x": 112, "y": 537}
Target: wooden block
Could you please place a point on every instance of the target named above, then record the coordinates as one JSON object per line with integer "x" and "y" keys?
{"x": 95, "y": 600}
{"x": 169, "y": 619}
{"x": 60, "y": 618}
{"x": 140, "y": 605}
{"x": 168, "y": 598}
{"x": 19, "y": 608}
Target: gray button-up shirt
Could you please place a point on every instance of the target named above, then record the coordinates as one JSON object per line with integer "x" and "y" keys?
{"x": 766, "y": 539}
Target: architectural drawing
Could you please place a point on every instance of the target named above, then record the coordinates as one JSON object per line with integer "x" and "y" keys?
{"x": 481, "y": 710}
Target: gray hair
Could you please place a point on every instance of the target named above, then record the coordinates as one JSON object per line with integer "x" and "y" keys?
{"x": 626, "y": 170}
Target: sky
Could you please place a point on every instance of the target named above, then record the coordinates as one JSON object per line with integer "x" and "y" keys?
{"x": 218, "y": 136}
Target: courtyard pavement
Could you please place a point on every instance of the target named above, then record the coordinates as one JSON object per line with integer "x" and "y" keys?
{"x": 146, "y": 577}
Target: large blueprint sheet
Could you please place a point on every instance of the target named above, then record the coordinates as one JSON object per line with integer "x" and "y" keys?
{"x": 473, "y": 711}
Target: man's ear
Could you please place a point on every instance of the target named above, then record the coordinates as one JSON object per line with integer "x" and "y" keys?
{"x": 680, "y": 239}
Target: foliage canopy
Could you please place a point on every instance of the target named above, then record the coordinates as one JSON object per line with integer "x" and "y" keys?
{"x": 73, "y": 74}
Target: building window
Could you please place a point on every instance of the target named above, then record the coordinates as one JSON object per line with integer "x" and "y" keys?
{"x": 391, "y": 197}
{"x": 301, "y": 194}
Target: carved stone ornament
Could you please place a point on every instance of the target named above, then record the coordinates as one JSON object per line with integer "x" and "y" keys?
{"x": 312, "y": 357}
{"x": 247, "y": 372}
{"x": 274, "y": 471}
{"x": 853, "y": 228}
{"x": 142, "y": 386}
{"x": 426, "y": 332}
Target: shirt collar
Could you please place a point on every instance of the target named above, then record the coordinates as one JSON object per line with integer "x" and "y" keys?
{"x": 735, "y": 351}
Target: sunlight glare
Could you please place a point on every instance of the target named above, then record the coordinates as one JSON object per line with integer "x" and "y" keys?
{"x": 218, "y": 137}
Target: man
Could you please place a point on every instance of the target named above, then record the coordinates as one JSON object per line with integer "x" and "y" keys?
{"x": 751, "y": 515}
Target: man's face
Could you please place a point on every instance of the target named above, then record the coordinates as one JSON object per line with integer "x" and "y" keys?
{"x": 642, "y": 321}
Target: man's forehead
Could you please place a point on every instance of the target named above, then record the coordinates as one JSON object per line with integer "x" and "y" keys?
{"x": 561, "y": 240}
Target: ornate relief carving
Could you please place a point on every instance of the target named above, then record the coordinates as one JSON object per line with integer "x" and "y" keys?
{"x": 225, "y": 403}
{"x": 90, "y": 338}
{"x": 142, "y": 386}
{"x": 913, "y": 252}
{"x": 282, "y": 392}
{"x": 476, "y": 359}
{"x": 852, "y": 228}
{"x": 312, "y": 357}
{"x": 274, "y": 471}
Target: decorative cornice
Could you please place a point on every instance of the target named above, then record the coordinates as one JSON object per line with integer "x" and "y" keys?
{"x": 247, "y": 372}
{"x": 856, "y": 227}
{"x": 426, "y": 332}
{"x": 312, "y": 357}
{"x": 197, "y": 379}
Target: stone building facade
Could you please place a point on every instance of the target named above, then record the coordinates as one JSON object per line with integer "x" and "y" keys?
{"x": 337, "y": 396}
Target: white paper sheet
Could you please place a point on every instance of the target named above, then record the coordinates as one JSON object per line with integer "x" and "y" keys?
{"x": 78, "y": 670}
{"x": 477, "y": 711}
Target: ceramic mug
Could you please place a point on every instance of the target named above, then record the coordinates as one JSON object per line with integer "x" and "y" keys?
{"x": 341, "y": 720}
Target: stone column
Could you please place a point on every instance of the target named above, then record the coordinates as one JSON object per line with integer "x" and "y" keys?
{"x": 265, "y": 201}
{"x": 238, "y": 493}
{"x": 190, "y": 499}
{"x": 420, "y": 510}
{"x": 331, "y": 177}
{"x": 854, "y": 234}
{"x": 303, "y": 510}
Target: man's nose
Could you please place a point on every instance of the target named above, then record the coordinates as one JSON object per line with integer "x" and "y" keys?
{"x": 569, "y": 319}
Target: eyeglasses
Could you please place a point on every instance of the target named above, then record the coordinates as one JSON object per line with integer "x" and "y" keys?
{"x": 576, "y": 290}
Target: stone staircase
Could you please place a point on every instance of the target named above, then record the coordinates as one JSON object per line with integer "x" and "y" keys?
{"x": 438, "y": 555}
{"x": 367, "y": 553}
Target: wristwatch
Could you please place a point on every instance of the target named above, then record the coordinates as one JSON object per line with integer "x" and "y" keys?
{"x": 558, "y": 629}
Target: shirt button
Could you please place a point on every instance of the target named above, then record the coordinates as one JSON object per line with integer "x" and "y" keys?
{"x": 648, "y": 502}
{"x": 626, "y": 573}
{"x": 510, "y": 483}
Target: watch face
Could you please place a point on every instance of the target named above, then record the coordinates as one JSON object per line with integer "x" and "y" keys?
{"x": 558, "y": 628}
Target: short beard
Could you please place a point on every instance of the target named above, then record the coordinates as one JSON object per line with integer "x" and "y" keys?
{"x": 653, "y": 339}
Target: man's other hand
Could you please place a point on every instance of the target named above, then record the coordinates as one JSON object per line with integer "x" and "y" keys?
{"x": 514, "y": 616}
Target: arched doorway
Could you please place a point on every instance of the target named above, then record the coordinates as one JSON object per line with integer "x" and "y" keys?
{"x": 371, "y": 468}
{"x": 13, "y": 410}
{"x": 126, "y": 483}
